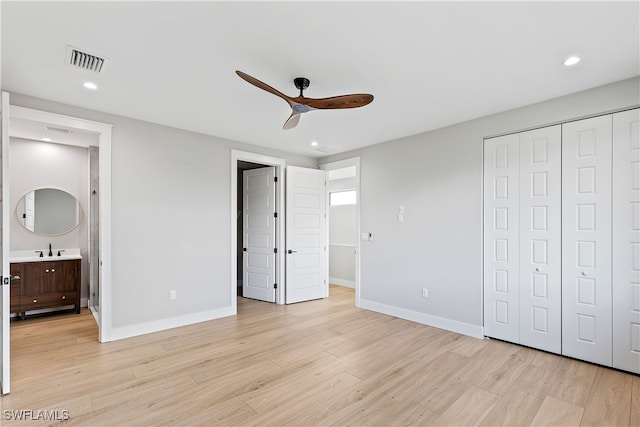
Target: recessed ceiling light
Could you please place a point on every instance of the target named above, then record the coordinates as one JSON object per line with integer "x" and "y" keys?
{"x": 46, "y": 139}
{"x": 90, "y": 85}
{"x": 572, "y": 60}
{"x": 314, "y": 144}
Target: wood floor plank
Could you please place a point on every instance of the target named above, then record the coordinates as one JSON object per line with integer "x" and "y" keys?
{"x": 469, "y": 409}
{"x": 635, "y": 403}
{"x": 610, "y": 399}
{"x": 324, "y": 362}
{"x": 555, "y": 412}
{"x": 522, "y": 400}
{"x": 573, "y": 384}
{"x": 512, "y": 362}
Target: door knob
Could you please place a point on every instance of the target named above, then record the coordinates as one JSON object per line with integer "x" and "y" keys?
{"x": 537, "y": 268}
{"x": 291, "y": 251}
{"x": 584, "y": 273}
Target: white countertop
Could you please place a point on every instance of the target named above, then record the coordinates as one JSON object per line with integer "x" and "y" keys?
{"x": 33, "y": 255}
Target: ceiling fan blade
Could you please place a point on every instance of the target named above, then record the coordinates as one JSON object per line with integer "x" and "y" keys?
{"x": 334, "y": 102}
{"x": 263, "y": 86}
{"x": 292, "y": 121}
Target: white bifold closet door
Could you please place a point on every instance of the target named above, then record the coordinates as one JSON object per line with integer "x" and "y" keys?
{"x": 501, "y": 243}
{"x": 522, "y": 271}
{"x": 586, "y": 240}
{"x": 540, "y": 245}
{"x": 626, "y": 239}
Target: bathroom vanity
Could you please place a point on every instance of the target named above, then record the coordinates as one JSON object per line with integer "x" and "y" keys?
{"x": 47, "y": 282}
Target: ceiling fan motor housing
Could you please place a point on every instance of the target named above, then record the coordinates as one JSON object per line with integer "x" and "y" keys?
{"x": 301, "y": 83}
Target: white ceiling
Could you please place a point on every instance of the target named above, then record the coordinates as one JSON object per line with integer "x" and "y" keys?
{"x": 428, "y": 64}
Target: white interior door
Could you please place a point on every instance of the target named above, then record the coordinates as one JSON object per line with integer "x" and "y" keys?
{"x": 626, "y": 240}
{"x": 306, "y": 235}
{"x": 586, "y": 240}
{"x": 501, "y": 238}
{"x": 5, "y": 365}
{"x": 259, "y": 234}
{"x": 540, "y": 232}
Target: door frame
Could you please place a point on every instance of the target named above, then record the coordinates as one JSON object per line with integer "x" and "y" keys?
{"x": 354, "y": 161}
{"x": 280, "y": 165}
{"x": 103, "y": 130}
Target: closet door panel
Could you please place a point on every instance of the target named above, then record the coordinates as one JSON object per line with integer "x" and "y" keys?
{"x": 626, "y": 240}
{"x": 501, "y": 186}
{"x": 540, "y": 232}
{"x": 586, "y": 240}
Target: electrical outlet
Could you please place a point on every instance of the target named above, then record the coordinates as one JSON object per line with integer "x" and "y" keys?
{"x": 425, "y": 293}
{"x": 172, "y": 295}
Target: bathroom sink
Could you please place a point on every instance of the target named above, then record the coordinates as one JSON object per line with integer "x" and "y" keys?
{"x": 34, "y": 255}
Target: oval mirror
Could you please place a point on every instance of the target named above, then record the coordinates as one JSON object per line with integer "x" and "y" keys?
{"x": 49, "y": 211}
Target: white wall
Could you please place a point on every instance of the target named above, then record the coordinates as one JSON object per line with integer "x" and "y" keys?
{"x": 170, "y": 217}
{"x": 37, "y": 164}
{"x": 437, "y": 176}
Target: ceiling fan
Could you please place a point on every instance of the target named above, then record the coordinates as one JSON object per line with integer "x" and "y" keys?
{"x": 301, "y": 104}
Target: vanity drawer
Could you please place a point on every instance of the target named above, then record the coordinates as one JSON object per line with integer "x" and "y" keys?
{"x": 48, "y": 300}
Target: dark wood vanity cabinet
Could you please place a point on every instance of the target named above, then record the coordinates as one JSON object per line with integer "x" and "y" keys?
{"x": 14, "y": 289}
{"x": 45, "y": 284}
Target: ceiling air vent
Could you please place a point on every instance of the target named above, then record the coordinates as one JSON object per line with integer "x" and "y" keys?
{"x": 85, "y": 60}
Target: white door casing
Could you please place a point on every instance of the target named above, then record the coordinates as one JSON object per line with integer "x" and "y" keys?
{"x": 259, "y": 234}
{"x": 586, "y": 240}
{"x": 501, "y": 241}
{"x": 540, "y": 232}
{"x": 626, "y": 240}
{"x": 306, "y": 235}
{"x": 5, "y": 353}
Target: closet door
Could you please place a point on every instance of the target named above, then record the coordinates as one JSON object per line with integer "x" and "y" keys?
{"x": 501, "y": 245}
{"x": 626, "y": 240}
{"x": 586, "y": 240}
{"x": 540, "y": 232}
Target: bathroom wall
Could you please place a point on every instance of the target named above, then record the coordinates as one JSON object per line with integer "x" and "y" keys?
{"x": 38, "y": 164}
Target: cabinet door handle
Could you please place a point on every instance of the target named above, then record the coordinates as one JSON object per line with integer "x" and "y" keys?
{"x": 35, "y": 300}
{"x": 53, "y": 270}
{"x": 64, "y": 297}
{"x": 47, "y": 270}
{"x": 15, "y": 278}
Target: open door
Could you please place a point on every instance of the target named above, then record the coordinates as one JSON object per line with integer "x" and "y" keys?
{"x": 259, "y": 256}
{"x": 5, "y": 365}
{"x": 306, "y": 232}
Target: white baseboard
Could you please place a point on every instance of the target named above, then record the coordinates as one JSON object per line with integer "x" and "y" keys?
{"x": 425, "y": 319}
{"x": 174, "y": 322}
{"x": 341, "y": 282}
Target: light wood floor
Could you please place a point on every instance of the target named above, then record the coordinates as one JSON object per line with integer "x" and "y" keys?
{"x": 316, "y": 363}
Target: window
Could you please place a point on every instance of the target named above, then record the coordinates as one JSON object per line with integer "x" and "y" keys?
{"x": 342, "y": 198}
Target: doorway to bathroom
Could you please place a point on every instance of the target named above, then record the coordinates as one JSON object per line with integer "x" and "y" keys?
{"x": 75, "y": 154}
